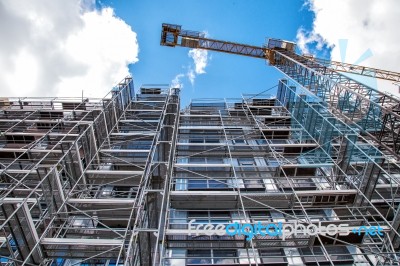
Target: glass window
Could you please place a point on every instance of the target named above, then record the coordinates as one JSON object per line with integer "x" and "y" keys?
{"x": 210, "y": 217}
{"x": 246, "y": 161}
{"x": 198, "y": 256}
{"x": 275, "y": 256}
{"x": 315, "y": 254}
{"x": 196, "y": 141}
{"x": 197, "y": 160}
{"x": 213, "y": 217}
{"x": 197, "y": 184}
{"x": 222, "y": 256}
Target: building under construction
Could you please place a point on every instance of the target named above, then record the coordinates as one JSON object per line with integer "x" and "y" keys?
{"x": 136, "y": 179}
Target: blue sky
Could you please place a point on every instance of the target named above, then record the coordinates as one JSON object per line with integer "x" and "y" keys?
{"x": 248, "y": 22}
{"x": 69, "y": 48}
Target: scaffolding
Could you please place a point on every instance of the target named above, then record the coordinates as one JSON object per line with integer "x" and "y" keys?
{"x": 81, "y": 178}
{"x": 279, "y": 159}
{"x": 131, "y": 179}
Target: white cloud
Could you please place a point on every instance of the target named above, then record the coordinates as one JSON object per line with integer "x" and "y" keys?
{"x": 366, "y": 24}
{"x": 200, "y": 62}
{"x": 176, "y": 82}
{"x": 304, "y": 38}
{"x": 59, "y": 48}
{"x": 191, "y": 75}
{"x": 200, "y": 59}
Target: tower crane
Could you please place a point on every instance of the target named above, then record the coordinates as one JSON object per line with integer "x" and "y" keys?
{"x": 173, "y": 35}
{"x": 350, "y": 100}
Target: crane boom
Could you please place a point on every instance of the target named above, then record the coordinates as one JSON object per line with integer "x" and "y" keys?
{"x": 350, "y": 100}
{"x": 173, "y": 35}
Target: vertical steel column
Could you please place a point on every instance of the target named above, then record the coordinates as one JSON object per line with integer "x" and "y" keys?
{"x": 172, "y": 124}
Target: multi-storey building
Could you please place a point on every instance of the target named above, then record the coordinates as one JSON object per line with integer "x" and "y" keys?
{"x": 132, "y": 179}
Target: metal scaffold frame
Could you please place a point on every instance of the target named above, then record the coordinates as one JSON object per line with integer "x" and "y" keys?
{"x": 354, "y": 102}
{"x": 121, "y": 180}
{"x": 327, "y": 166}
{"x": 76, "y": 175}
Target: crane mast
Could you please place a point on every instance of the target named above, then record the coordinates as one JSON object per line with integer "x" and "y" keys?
{"x": 350, "y": 100}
